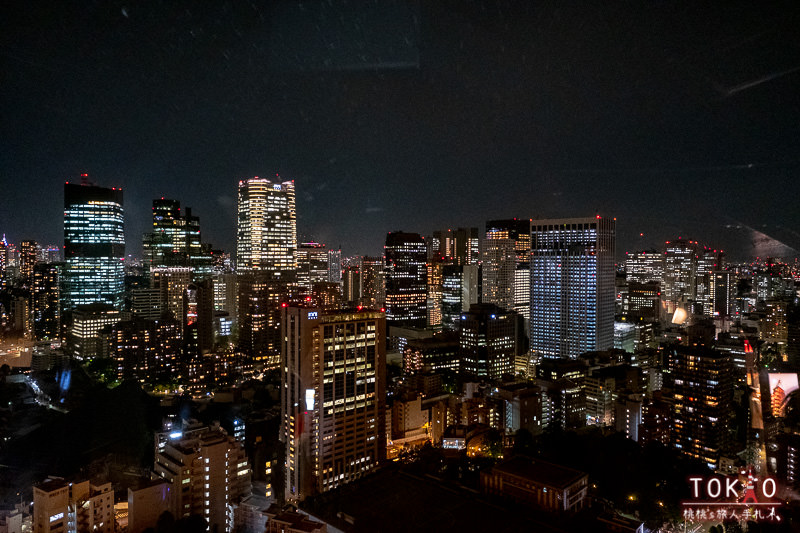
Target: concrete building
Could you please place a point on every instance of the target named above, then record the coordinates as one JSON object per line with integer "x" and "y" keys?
{"x": 537, "y": 483}
{"x": 147, "y": 502}
{"x": 489, "y": 341}
{"x": 209, "y": 474}
{"x": 406, "y": 280}
{"x": 333, "y": 368}
{"x": 78, "y": 507}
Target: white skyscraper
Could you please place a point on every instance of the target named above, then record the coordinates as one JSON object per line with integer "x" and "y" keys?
{"x": 572, "y": 286}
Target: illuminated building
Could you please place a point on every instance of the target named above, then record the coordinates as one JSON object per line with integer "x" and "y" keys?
{"x": 459, "y": 247}
{"x": 643, "y": 302}
{"x": 146, "y": 303}
{"x": 266, "y": 238}
{"x": 434, "y": 297}
{"x": 175, "y": 240}
{"x": 78, "y": 507}
{"x": 312, "y": 265}
{"x": 335, "y": 266}
{"x": 4, "y": 262}
{"x": 94, "y": 245}
{"x": 489, "y": 341}
{"x": 28, "y": 257}
{"x": 406, "y": 280}
{"x": 680, "y": 265}
{"x": 703, "y": 390}
{"x": 373, "y": 290}
{"x": 722, "y": 288}
{"x": 628, "y": 417}
{"x": 171, "y": 283}
{"x": 572, "y": 286}
{"x": 84, "y": 340}
{"x": 440, "y": 352}
{"x": 708, "y": 261}
{"x": 259, "y": 300}
{"x": 459, "y": 292}
{"x": 333, "y": 372}
{"x": 644, "y": 267}
{"x": 46, "y": 298}
{"x": 351, "y": 285}
{"x": 209, "y": 474}
{"x": 147, "y": 350}
{"x": 507, "y": 246}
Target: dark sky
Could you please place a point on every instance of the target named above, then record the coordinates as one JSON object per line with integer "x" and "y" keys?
{"x": 678, "y": 118}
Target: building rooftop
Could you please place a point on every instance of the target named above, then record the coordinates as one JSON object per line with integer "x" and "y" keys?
{"x": 540, "y": 471}
{"x": 49, "y": 485}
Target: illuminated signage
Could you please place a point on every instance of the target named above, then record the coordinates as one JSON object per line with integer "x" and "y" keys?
{"x": 309, "y": 399}
{"x": 745, "y": 497}
{"x": 55, "y": 517}
{"x": 176, "y": 435}
{"x": 313, "y": 315}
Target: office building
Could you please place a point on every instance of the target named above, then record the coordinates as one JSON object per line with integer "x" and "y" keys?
{"x": 312, "y": 265}
{"x": 459, "y": 292}
{"x": 406, "y": 280}
{"x": 723, "y": 287}
{"x": 28, "y": 257}
{"x": 46, "y": 300}
{"x": 644, "y": 267}
{"x": 572, "y": 286}
{"x": 373, "y": 290}
{"x": 703, "y": 391}
{"x": 175, "y": 240}
{"x": 148, "y": 350}
{"x": 209, "y": 474}
{"x": 333, "y": 373}
{"x": 351, "y": 285}
{"x": 94, "y": 245}
{"x": 489, "y": 341}
{"x": 708, "y": 261}
{"x": 335, "y": 266}
{"x": 680, "y": 266}
{"x": 266, "y": 238}
{"x": 459, "y": 247}
{"x": 507, "y": 247}
{"x": 85, "y": 340}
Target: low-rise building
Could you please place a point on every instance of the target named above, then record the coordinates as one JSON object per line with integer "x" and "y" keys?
{"x": 537, "y": 483}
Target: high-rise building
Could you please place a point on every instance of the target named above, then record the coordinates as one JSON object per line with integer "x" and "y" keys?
{"x": 572, "y": 286}
{"x": 333, "y": 373}
{"x": 28, "y": 257}
{"x": 708, "y": 261}
{"x": 644, "y": 267}
{"x": 460, "y": 247}
{"x": 373, "y": 290}
{"x": 434, "y": 298}
{"x": 175, "y": 240}
{"x": 94, "y": 245}
{"x": 489, "y": 341}
{"x": 507, "y": 247}
{"x": 680, "y": 266}
{"x": 312, "y": 265}
{"x": 351, "y": 285}
{"x": 406, "y": 280}
{"x": 723, "y": 286}
{"x": 266, "y": 238}
{"x": 703, "y": 391}
{"x": 46, "y": 298}
{"x": 209, "y": 474}
{"x": 335, "y": 266}
{"x": 459, "y": 292}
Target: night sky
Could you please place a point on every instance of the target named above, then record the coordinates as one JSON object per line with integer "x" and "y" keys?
{"x": 678, "y": 118}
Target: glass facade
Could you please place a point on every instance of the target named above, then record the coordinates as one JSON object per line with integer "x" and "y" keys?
{"x": 94, "y": 245}
{"x": 572, "y": 286}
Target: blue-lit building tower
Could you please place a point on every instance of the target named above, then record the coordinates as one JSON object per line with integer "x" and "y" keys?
{"x": 572, "y": 286}
{"x": 94, "y": 245}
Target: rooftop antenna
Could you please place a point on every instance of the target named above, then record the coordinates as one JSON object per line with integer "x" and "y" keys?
{"x": 85, "y": 179}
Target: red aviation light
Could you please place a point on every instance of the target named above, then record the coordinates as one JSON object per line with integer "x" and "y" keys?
{"x": 360, "y": 307}
{"x": 284, "y": 304}
{"x": 383, "y": 309}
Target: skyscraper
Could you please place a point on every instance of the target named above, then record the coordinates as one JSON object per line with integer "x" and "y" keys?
{"x": 572, "y": 286}
{"x": 266, "y": 262}
{"x": 94, "y": 245}
{"x": 312, "y": 265}
{"x": 488, "y": 341}
{"x": 703, "y": 398}
{"x": 28, "y": 257}
{"x": 266, "y": 238}
{"x": 406, "y": 280}
{"x": 508, "y": 244}
{"x": 680, "y": 265}
{"x": 175, "y": 240}
{"x": 46, "y": 296}
{"x": 460, "y": 247}
{"x": 333, "y": 399}
{"x": 373, "y": 289}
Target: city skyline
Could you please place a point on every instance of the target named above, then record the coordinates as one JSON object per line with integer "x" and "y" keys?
{"x": 490, "y": 111}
